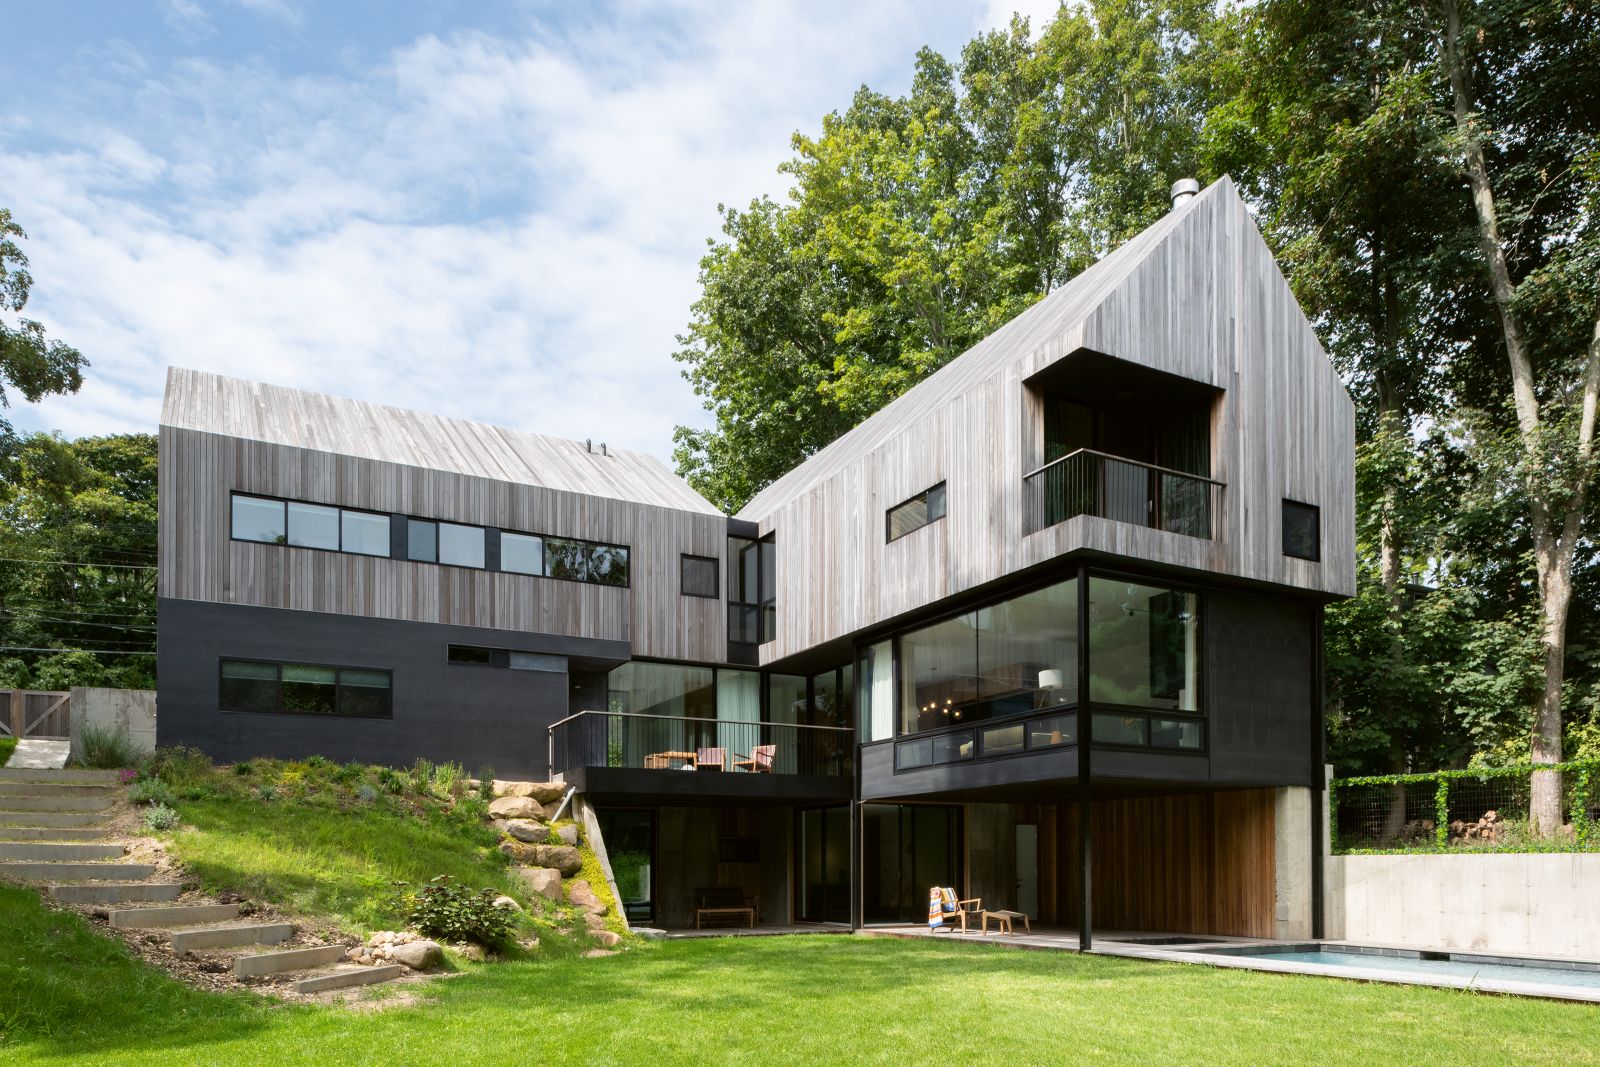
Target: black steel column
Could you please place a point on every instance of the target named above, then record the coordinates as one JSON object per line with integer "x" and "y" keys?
{"x": 1085, "y": 790}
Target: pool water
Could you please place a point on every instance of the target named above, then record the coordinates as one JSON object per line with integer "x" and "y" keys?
{"x": 1453, "y": 967}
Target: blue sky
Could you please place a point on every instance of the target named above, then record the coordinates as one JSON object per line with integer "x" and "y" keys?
{"x": 493, "y": 211}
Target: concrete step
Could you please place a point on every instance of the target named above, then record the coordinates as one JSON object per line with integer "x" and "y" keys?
{"x": 116, "y": 892}
{"x": 48, "y": 833}
{"x": 59, "y": 850}
{"x": 178, "y": 915}
{"x": 51, "y": 818}
{"x": 77, "y": 872}
{"x": 225, "y": 936}
{"x": 96, "y": 802}
{"x": 346, "y": 977}
{"x": 54, "y": 789}
{"x": 72, "y": 777}
{"x": 293, "y": 959}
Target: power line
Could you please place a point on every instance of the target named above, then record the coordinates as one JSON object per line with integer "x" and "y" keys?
{"x": 91, "y": 651}
{"x": 80, "y": 563}
{"x": 77, "y": 622}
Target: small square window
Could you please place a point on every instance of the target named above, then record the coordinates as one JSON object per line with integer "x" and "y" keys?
{"x": 422, "y": 540}
{"x": 314, "y": 526}
{"x": 258, "y": 519}
{"x": 1302, "y": 531}
{"x": 699, "y": 575}
{"x": 461, "y": 545}
{"x": 364, "y": 533}
{"x": 521, "y": 553}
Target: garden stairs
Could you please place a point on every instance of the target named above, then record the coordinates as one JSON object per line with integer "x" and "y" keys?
{"x": 54, "y": 833}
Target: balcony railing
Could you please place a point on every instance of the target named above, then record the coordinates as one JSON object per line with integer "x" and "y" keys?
{"x": 1094, "y": 483}
{"x": 677, "y": 743}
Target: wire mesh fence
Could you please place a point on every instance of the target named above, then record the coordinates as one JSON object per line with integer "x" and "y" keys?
{"x": 1485, "y": 810}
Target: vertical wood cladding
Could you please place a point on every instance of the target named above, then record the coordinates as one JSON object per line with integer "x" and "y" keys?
{"x": 199, "y": 561}
{"x": 1199, "y": 863}
{"x": 1197, "y": 295}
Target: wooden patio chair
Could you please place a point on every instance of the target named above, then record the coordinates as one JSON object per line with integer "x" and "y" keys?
{"x": 711, "y": 759}
{"x": 950, "y": 909}
{"x": 759, "y": 761}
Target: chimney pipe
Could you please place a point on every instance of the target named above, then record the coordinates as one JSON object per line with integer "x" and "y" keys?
{"x": 1184, "y": 189}
{"x": 588, "y": 445}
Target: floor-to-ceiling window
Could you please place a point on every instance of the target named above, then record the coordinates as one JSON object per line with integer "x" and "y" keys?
{"x": 907, "y": 849}
{"x": 1144, "y": 653}
{"x": 631, "y": 845}
{"x": 822, "y": 865}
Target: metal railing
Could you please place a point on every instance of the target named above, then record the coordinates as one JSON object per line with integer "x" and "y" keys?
{"x": 674, "y": 743}
{"x": 1087, "y": 482}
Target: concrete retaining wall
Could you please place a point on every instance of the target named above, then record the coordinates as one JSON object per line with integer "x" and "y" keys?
{"x": 129, "y": 712}
{"x": 1545, "y": 904}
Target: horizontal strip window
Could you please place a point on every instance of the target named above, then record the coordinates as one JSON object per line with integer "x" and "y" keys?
{"x": 286, "y": 522}
{"x": 506, "y": 657}
{"x": 305, "y": 689}
{"x": 926, "y": 507}
{"x": 698, "y": 575}
{"x": 1112, "y": 729}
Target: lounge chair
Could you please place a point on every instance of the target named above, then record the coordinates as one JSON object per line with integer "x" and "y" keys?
{"x": 759, "y": 761}
{"x": 711, "y": 759}
{"x": 943, "y": 906}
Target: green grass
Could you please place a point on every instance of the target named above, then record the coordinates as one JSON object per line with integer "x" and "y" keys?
{"x": 67, "y": 996}
{"x": 8, "y": 745}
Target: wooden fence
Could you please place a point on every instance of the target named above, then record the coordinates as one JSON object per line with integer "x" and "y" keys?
{"x": 35, "y": 713}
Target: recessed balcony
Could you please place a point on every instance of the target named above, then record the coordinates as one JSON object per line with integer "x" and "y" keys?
{"x": 1088, "y": 482}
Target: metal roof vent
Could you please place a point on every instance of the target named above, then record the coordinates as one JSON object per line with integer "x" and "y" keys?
{"x": 1184, "y": 189}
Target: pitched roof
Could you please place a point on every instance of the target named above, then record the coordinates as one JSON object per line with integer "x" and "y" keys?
{"x": 212, "y": 403}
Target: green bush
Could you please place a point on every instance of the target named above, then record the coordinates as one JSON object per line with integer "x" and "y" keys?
{"x": 366, "y": 793}
{"x": 8, "y": 745}
{"x": 351, "y": 773}
{"x": 243, "y": 768}
{"x": 486, "y": 784}
{"x": 391, "y": 780}
{"x": 453, "y": 912}
{"x": 422, "y": 777}
{"x": 160, "y": 817}
{"x": 179, "y": 766}
{"x": 104, "y": 750}
{"x": 447, "y": 778}
{"x": 152, "y": 791}
{"x": 267, "y": 793}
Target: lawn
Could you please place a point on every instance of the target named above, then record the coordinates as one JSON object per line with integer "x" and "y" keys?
{"x": 8, "y": 745}
{"x": 68, "y": 996}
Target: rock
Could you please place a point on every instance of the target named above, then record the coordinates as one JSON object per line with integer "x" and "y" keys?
{"x": 475, "y": 953}
{"x": 533, "y": 833}
{"x": 593, "y": 921}
{"x": 520, "y": 852}
{"x": 512, "y": 789}
{"x": 418, "y": 955}
{"x": 543, "y": 792}
{"x": 582, "y": 894}
{"x": 597, "y": 953}
{"x": 563, "y": 858}
{"x": 516, "y": 808}
{"x": 607, "y": 938}
{"x": 568, "y": 834}
{"x": 541, "y": 880}
{"x": 507, "y": 902}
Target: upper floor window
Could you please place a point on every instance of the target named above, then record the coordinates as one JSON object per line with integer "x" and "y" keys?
{"x": 922, "y": 509}
{"x": 281, "y": 522}
{"x": 1302, "y": 530}
{"x": 752, "y": 589}
{"x": 698, "y": 575}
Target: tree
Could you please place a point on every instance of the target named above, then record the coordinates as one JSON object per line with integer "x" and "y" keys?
{"x": 34, "y": 365}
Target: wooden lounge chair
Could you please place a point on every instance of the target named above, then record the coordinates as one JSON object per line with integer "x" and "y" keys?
{"x": 723, "y": 902}
{"x": 759, "y": 761}
{"x": 962, "y": 909}
{"x": 711, "y": 759}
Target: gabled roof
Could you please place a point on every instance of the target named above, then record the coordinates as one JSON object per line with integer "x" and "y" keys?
{"x": 1016, "y": 341}
{"x": 212, "y": 403}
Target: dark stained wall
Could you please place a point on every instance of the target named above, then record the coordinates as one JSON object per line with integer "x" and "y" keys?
{"x": 1260, "y": 669}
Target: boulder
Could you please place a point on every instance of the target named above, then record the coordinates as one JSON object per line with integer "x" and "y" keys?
{"x": 597, "y": 953}
{"x": 519, "y": 852}
{"x": 541, "y": 880}
{"x": 418, "y": 955}
{"x": 543, "y": 792}
{"x": 607, "y": 938}
{"x": 512, "y": 789}
{"x": 475, "y": 953}
{"x": 563, "y": 858}
{"x": 534, "y": 833}
{"x": 582, "y": 894}
{"x": 568, "y": 834}
{"x": 507, "y": 902}
{"x": 593, "y": 921}
{"x": 516, "y": 808}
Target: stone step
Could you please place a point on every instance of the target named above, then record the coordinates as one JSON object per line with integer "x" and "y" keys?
{"x": 293, "y": 959}
{"x": 116, "y": 892}
{"x": 51, "y": 818}
{"x": 73, "y": 776}
{"x": 95, "y": 802}
{"x": 59, "y": 850}
{"x": 49, "y": 833}
{"x": 225, "y": 936}
{"x": 179, "y": 915}
{"x": 54, "y": 789}
{"x": 76, "y": 872}
{"x": 346, "y": 977}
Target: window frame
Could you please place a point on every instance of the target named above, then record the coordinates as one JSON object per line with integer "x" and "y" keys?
{"x": 338, "y": 689}
{"x": 715, "y": 566}
{"x": 1315, "y": 512}
{"x": 925, "y": 498}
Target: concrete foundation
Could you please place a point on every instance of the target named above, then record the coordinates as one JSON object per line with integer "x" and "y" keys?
{"x": 1291, "y": 863}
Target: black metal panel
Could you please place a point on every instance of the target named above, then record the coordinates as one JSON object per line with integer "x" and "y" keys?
{"x": 473, "y": 715}
{"x": 629, "y": 785}
{"x": 1260, "y": 668}
{"x": 880, "y": 782}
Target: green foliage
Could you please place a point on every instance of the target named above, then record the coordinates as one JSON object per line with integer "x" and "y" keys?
{"x": 103, "y": 749}
{"x": 8, "y": 745}
{"x": 179, "y": 766}
{"x": 391, "y": 780}
{"x": 160, "y": 817}
{"x": 151, "y": 791}
{"x": 441, "y": 908}
{"x": 421, "y": 776}
{"x": 34, "y": 365}
{"x": 486, "y": 784}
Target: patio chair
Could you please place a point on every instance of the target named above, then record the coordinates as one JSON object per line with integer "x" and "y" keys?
{"x": 711, "y": 759}
{"x": 759, "y": 761}
{"x": 943, "y": 905}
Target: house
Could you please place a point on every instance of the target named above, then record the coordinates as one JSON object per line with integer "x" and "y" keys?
{"x": 1080, "y": 568}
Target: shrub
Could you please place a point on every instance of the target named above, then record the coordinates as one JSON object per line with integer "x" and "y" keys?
{"x": 266, "y": 793}
{"x": 320, "y": 763}
{"x": 104, "y": 749}
{"x": 422, "y": 776}
{"x": 447, "y": 778}
{"x": 243, "y": 768}
{"x": 350, "y": 773}
{"x": 391, "y": 780}
{"x": 8, "y": 745}
{"x": 152, "y": 791}
{"x": 178, "y": 766}
{"x": 366, "y": 794}
{"x": 160, "y": 817}
{"x": 486, "y": 784}
{"x": 453, "y": 912}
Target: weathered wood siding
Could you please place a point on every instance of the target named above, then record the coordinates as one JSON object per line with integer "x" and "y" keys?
{"x": 199, "y": 561}
{"x": 1198, "y": 295}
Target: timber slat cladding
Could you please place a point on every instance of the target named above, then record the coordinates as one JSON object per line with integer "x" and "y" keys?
{"x": 1198, "y": 295}
{"x": 1199, "y": 863}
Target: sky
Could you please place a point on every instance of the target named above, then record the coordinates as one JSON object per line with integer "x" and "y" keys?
{"x": 492, "y": 211}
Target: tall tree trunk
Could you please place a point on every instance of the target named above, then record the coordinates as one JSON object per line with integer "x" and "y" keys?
{"x": 1554, "y": 536}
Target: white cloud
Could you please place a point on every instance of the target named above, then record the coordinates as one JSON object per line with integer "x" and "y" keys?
{"x": 503, "y": 229}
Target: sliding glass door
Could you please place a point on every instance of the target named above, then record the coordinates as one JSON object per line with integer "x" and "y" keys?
{"x": 822, "y": 865}
{"x": 907, "y": 849}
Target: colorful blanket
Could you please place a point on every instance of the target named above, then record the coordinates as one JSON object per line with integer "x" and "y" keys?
{"x": 941, "y": 902}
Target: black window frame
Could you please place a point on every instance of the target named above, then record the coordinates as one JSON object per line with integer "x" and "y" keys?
{"x": 338, "y": 695}
{"x": 1314, "y": 513}
{"x": 711, "y": 563}
{"x": 925, "y": 498}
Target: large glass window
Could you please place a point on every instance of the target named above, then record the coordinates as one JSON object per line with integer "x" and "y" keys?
{"x": 521, "y": 553}
{"x": 906, "y": 850}
{"x": 365, "y": 533}
{"x": 631, "y": 846}
{"x": 671, "y": 690}
{"x": 310, "y": 690}
{"x": 461, "y": 545}
{"x": 259, "y": 519}
{"x": 314, "y": 526}
{"x": 1144, "y": 646}
{"x": 877, "y": 692}
{"x": 304, "y": 689}
{"x": 249, "y": 686}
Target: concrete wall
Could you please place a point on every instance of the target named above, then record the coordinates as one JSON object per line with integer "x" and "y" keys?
{"x": 128, "y": 712}
{"x": 1544, "y": 904}
{"x": 1292, "y": 863}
